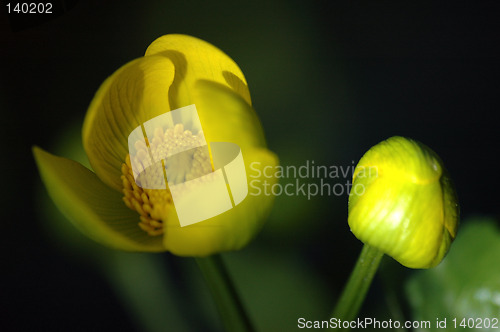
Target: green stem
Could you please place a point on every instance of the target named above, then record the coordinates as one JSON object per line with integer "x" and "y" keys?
{"x": 226, "y": 298}
{"x": 354, "y": 293}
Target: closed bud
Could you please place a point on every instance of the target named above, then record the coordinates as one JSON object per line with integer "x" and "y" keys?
{"x": 403, "y": 203}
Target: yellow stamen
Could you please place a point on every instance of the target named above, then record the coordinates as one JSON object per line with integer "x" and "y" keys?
{"x": 153, "y": 205}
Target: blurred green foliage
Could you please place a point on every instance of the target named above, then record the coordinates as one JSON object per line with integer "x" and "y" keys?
{"x": 467, "y": 283}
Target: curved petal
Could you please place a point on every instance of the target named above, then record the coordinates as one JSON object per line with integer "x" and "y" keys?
{"x": 195, "y": 59}
{"x": 225, "y": 116}
{"x": 95, "y": 209}
{"x": 234, "y": 228}
{"x": 135, "y": 93}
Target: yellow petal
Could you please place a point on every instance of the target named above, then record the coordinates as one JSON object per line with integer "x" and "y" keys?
{"x": 194, "y": 60}
{"x": 95, "y": 209}
{"x": 234, "y": 228}
{"x": 134, "y": 94}
{"x": 226, "y": 117}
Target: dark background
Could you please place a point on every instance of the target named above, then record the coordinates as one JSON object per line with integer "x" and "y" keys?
{"x": 328, "y": 80}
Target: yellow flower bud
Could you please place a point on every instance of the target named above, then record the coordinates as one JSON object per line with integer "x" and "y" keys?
{"x": 402, "y": 202}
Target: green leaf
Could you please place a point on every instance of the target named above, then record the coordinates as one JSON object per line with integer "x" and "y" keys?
{"x": 467, "y": 283}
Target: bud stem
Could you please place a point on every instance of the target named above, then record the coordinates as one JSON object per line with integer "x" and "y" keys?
{"x": 234, "y": 316}
{"x": 354, "y": 293}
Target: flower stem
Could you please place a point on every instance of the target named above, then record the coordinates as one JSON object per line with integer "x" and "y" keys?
{"x": 226, "y": 298}
{"x": 354, "y": 293}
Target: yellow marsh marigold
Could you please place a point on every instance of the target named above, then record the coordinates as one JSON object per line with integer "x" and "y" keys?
{"x": 403, "y": 203}
{"x": 108, "y": 205}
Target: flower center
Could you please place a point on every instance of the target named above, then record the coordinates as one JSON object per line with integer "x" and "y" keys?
{"x": 181, "y": 161}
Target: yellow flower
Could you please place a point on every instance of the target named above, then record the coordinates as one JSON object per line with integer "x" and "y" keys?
{"x": 108, "y": 205}
{"x": 402, "y": 202}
